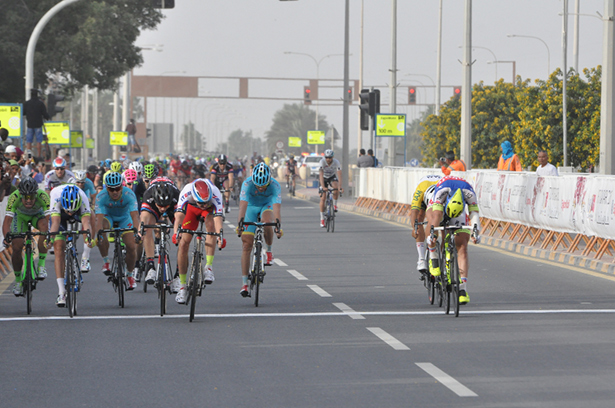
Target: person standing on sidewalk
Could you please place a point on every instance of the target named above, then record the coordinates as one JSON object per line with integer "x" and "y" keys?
{"x": 509, "y": 161}
{"x": 35, "y": 111}
{"x": 545, "y": 168}
{"x": 364, "y": 160}
{"x": 449, "y": 163}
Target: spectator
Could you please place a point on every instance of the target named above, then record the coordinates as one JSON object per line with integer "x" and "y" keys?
{"x": 370, "y": 152}
{"x": 545, "y": 168}
{"x": 35, "y": 111}
{"x": 132, "y": 131}
{"x": 4, "y": 135}
{"x": 6, "y": 185}
{"x": 10, "y": 153}
{"x": 449, "y": 163}
{"x": 364, "y": 160}
{"x": 38, "y": 171}
{"x": 509, "y": 161}
{"x": 14, "y": 172}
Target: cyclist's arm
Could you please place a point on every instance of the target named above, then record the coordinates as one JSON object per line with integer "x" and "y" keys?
{"x": 179, "y": 220}
{"x": 87, "y": 224}
{"x": 135, "y": 218}
{"x": 339, "y": 177}
{"x": 322, "y": 178}
{"x": 277, "y": 212}
{"x": 55, "y": 223}
{"x": 212, "y": 177}
{"x": 414, "y": 215}
{"x": 6, "y": 225}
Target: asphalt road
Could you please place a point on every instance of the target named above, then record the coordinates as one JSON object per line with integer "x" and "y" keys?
{"x": 343, "y": 321}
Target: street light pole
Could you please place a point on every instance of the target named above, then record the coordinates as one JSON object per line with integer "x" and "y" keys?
{"x": 494, "y": 58}
{"x": 542, "y": 41}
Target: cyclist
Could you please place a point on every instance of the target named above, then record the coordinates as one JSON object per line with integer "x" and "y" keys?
{"x": 68, "y": 204}
{"x": 159, "y": 201}
{"x": 451, "y": 196}
{"x": 420, "y": 200}
{"x": 26, "y": 204}
{"x": 222, "y": 175}
{"x": 117, "y": 203}
{"x": 197, "y": 199}
{"x": 59, "y": 175}
{"x": 330, "y": 174}
{"x": 85, "y": 184}
{"x": 291, "y": 171}
{"x": 261, "y": 197}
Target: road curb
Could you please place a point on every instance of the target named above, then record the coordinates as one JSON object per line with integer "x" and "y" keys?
{"x": 561, "y": 257}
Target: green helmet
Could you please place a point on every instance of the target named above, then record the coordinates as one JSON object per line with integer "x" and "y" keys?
{"x": 455, "y": 204}
{"x": 149, "y": 171}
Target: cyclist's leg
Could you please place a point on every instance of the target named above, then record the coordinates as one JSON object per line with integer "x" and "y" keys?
{"x": 336, "y": 185}
{"x": 323, "y": 199}
{"x": 103, "y": 244}
{"x": 419, "y": 236}
{"x": 267, "y": 216}
{"x": 190, "y": 222}
{"x": 148, "y": 217}
{"x": 461, "y": 242}
{"x": 227, "y": 193}
{"x": 434, "y": 217}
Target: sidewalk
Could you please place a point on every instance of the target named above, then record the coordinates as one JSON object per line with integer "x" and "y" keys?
{"x": 561, "y": 257}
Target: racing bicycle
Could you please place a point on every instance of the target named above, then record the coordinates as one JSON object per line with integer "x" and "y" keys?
{"x": 164, "y": 273}
{"x": 118, "y": 274}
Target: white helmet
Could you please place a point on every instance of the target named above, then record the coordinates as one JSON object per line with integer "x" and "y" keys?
{"x": 79, "y": 175}
{"x": 138, "y": 167}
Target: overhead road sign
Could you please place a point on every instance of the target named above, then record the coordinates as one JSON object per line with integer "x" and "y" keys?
{"x": 316, "y": 137}
{"x": 58, "y": 132}
{"x": 390, "y": 125}
{"x": 11, "y": 118}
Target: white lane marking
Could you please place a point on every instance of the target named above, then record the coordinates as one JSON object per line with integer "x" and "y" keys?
{"x": 346, "y": 312}
{"x": 297, "y": 274}
{"x": 319, "y": 290}
{"x": 304, "y": 208}
{"x": 388, "y": 339}
{"x": 279, "y": 262}
{"x": 446, "y": 380}
{"x": 346, "y": 309}
{"x": 230, "y": 225}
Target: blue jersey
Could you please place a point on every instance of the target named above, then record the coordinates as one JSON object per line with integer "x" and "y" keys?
{"x": 120, "y": 208}
{"x": 272, "y": 195}
{"x": 447, "y": 186}
{"x": 89, "y": 188}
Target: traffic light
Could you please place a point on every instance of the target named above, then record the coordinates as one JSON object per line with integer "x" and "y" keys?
{"x": 164, "y": 4}
{"x": 306, "y": 95}
{"x": 52, "y": 108}
{"x": 374, "y": 102}
{"x": 349, "y": 94}
{"x": 457, "y": 91}
{"x": 411, "y": 95}
{"x": 148, "y": 132}
{"x": 364, "y": 108}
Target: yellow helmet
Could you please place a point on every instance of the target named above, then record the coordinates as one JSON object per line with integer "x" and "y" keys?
{"x": 455, "y": 204}
{"x": 116, "y": 167}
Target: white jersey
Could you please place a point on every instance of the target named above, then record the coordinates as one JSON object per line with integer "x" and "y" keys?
{"x": 330, "y": 171}
{"x": 185, "y": 197}
{"x": 55, "y": 198}
{"x": 52, "y": 180}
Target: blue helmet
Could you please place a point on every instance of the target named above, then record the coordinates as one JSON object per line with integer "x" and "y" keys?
{"x": 113, "y": 179}
{"x": 107, "y": 163}
{"x": 261, "y": 176}
{"x": 71, "y": 199}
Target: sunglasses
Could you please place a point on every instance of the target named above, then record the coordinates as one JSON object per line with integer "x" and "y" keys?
{"x": 114, "y": 189}
{"x": 60, "y": 168}
{"x": 129, "y": 184}
{"x": 30, "y": 197}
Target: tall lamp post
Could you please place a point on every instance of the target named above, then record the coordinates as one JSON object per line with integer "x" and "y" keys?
{"x": 492, "y": 54}
{"x": 317, "y": 62}
{"x": 542, "y": 41}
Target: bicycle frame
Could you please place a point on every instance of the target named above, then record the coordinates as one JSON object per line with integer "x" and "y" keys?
{"x": 117, "y": 277}
{"x": 257, "y": 266}
{"x": 164, "y": 276}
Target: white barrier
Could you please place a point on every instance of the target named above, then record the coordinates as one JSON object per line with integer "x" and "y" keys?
{"x": 572, "y": 203}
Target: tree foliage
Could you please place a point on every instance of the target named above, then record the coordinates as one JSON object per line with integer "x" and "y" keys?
{"x": 293, "y": 120}
{"x": 87, "y": 43}
{"x": 529, "y": 116}
{"x": 240, "y": 144}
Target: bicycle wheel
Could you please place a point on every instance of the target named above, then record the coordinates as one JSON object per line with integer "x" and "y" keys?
{"x": 119, "y": 276}
{"x": 28, "y": 279}
{"x": 446, "y": 281}
{"x": 161, "y": 275}
{"x": 328, "y": 216}
{"x": 143, "y": 270}
{"x": 69, "y": 285}
{"x": 332, "y": 222}
{"x": 258, "y": 270}
{"x": 431, "y": 288}
{"x": 195, "y": 282}
{"x": 455, "y": 280}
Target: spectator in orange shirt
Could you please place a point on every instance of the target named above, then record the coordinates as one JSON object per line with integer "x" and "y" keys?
{"x": 508, "y": 160}
{"x": 450, "y": 164}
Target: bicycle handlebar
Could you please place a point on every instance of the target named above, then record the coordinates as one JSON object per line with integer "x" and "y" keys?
{"x": 277, "y": 224}
{"x": 74, "y": 232}
{"x": 10, "y": 236}
{"x": 154, "y": 226}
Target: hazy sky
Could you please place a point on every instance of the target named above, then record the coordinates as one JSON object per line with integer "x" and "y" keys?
{"x": 248, "y": 38}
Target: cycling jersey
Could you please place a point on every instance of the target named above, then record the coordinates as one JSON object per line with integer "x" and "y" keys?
{"x": 447, "y": 186}
{"x": 116, "y": 208}
{"x": 221, "y": 172}
{"x": 420, "y": 199}
{"x": 22, "y": 215}
{"x": 139, "y": 189}
{"x": 150, "y": 206}
{"x": 52, "y": 180}
{"x": 259, "y": 202}
{"x": 89, "y": 188}
{"x": 291, "y": 166}
{"x": 56, "y": 203}
{"x": 330, "y": 171}
{"x": 185, "y": 198}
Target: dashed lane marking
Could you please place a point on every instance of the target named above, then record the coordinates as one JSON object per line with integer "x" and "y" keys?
{"x": 388, "y": 339}
{"x": 347, "y": 310}
{"x": 279, "y": 262}
{"x": 296, "y": 274}
{"x": 321, "y": 292}
{"x": 446, "y": 380}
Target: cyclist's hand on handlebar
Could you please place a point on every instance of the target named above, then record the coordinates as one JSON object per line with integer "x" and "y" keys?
{"x": 279, "y": 233}
{"x": 476, "y": 239}
{"x": 221, "y": 243}
{"x": 48, "y": 243}
{"x": 175, "y": 239}
{"x": 138, "y": 238}
{"x": 238, "y": 231}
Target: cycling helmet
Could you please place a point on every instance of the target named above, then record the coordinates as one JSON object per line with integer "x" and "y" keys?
{"x": 71, "y": 199}
{"x": 201, "y": 191}
{"x": 80, "y": 175}
{"x": 163, "y": 194}
{"x": 261, "y": 175}
{"x": 138, "y": 167}
{"x": 113, "y": 179}
{"x": 92, "y": 169}
{"x": 455, "y": 204}
{"x": 292, "y": 157}
{"x": 328, "y": 153}
{"x": 222, "y": 159}
{"x": 130, "y": 176}
{"x": 107, "y": 163}
{"x": 149, "y": 171}
{"x": 116, "y": 167}
{"x": 59, "y": 162}
{"x": 28, "y": 186}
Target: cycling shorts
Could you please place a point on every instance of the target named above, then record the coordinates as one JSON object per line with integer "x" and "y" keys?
{"x": 329, "y": 180}
{"x": 65, "y": 219}
{"x": 124, "y": 221}
{"x": 253, "y": 213}
{"x": 191, "y": 220}
{"x": 19, "y": 225}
